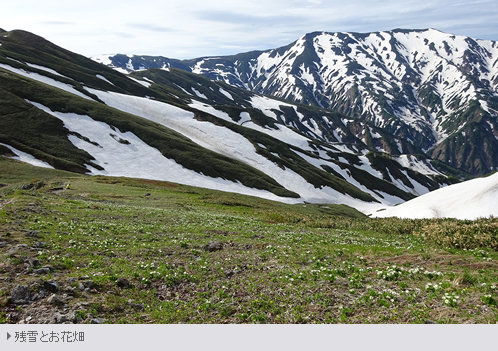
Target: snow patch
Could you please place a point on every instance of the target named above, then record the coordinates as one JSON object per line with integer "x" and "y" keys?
{"x": 265, "y": 105}
{"x": 412, "y": 162}
{"x": 141, "y": 82}
{"x": 99, "y": 76}
{"x": 198, "y": 93}
{"x": 244, "y": 117}
{"x": 226, "y": 93}
{"x": 103, "y": 59}
{"x": 468, "y": 200}
{"x": 25, "y": 157}
{"x": 43, "y": 79}
{"x": 46, "y": 69}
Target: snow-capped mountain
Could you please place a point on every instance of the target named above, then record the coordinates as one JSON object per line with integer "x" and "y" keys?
{"x": 62, "y": 110}
{"x": 434, "y": 91}
{"x": 468, "y": 200}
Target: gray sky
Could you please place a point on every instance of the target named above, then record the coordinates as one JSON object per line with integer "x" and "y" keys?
{"x": 193, "y": 28}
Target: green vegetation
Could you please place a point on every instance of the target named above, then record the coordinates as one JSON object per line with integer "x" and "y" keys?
{"x": 146, "y": 251}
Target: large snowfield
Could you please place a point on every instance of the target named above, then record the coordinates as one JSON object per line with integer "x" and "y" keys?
{"x": 225, "y": 142}
{"x": 468, "y": 200}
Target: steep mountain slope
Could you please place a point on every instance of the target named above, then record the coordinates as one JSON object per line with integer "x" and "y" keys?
{"x": 468, "y": 200}
{"x": 436, "y": 91}
{"x": 74, "y": 114}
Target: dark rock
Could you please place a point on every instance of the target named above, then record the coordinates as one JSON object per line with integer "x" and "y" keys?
{"x": 43, "y": 270}
{"x": 88, "y": 284}
{"x": 12, "y": 252}
{"x": 213, "y": 246}
{"x": 20, "y": 295}
{"x": 42, "y": 294}
{"x": 97, "y": 321}
{"x": 428, "y": 321}
{"x": 70, "y": 290}
{"x": 3, "y": 244}
{"x": 33, "y": 233}
{"x": 148, "y": 194}
{"x": 229, "y": 273}
{"x": 55, "y": 300}
{"x": 71, "y": 280}
{"x": 123, "y": 283}
{"x": 51, "y": 286}
{"x": 35, "y": 185}
{"x": 71, "y": 316}
{"x": 138, "y": 306}
{"x": 39, "y": 244}
{"x": 81, "y": 286}
{"x": 59, "y": 318}
{"x": 36, "y": 285}
{"x": 35, "y": 262}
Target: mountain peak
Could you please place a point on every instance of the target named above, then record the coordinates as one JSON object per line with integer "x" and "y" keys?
{"x": 426, "y": 87}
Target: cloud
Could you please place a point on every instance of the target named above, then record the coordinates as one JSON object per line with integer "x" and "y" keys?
{"x": 240, "y": 19}
{"x": 150, "y": 27}
{"x": 194, "y": 28}
{"x": 125, "y": 35}
{"x": 57, "y": 23}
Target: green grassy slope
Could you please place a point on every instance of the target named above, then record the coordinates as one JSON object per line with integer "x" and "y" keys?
{"x": 33, "y": 131}
{"x": 139, "y": 251}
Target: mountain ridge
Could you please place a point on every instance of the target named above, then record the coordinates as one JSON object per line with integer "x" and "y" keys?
{"x": 434, "y": 90}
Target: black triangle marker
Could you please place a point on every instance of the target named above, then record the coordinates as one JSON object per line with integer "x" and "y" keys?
{"x": 8, "y": 336}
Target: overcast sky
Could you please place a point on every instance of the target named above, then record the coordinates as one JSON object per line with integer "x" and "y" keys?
{"x": 192, "y": 28}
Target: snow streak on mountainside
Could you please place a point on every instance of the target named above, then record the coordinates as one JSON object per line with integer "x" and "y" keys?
{"x": 468, "y": 200}
{"x": 436, "y": 91}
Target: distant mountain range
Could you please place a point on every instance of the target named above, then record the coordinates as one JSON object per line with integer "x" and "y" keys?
{"x": 60, "y": 109}
{"x": 436, "y": 93}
